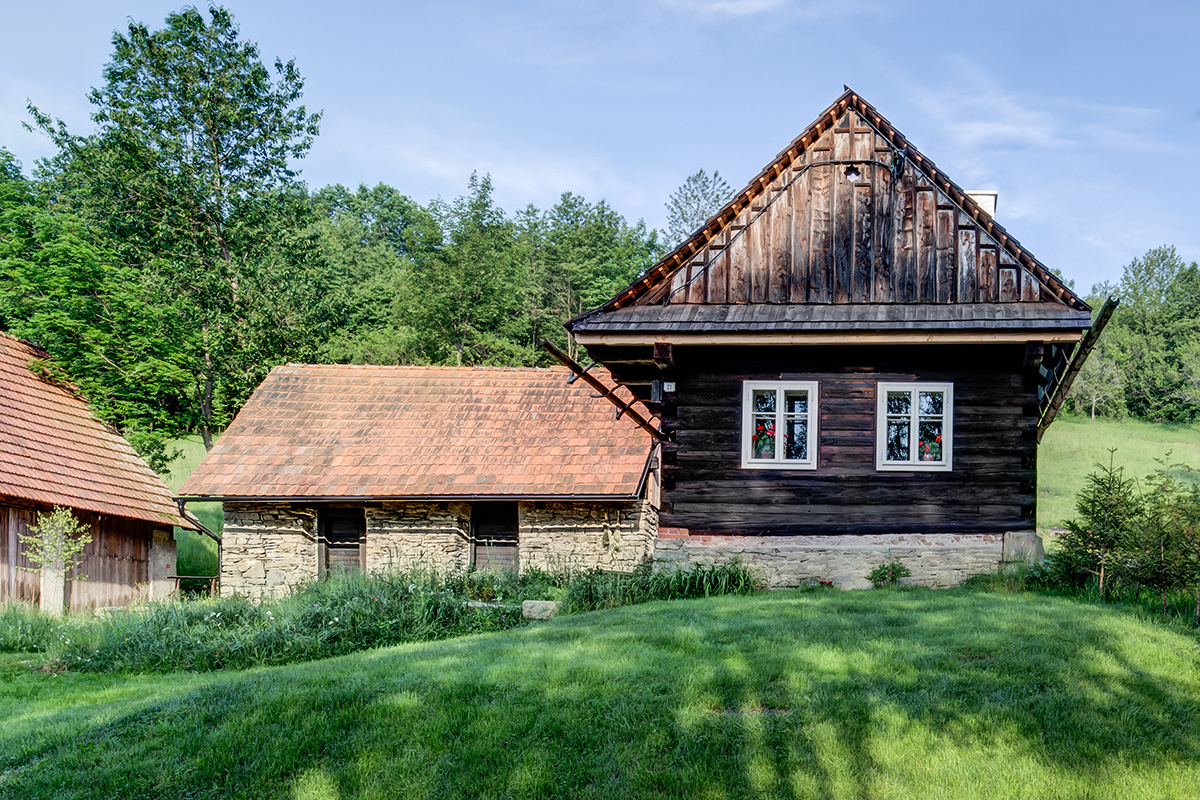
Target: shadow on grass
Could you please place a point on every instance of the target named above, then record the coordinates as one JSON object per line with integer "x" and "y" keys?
{"x": 788, "y": 695}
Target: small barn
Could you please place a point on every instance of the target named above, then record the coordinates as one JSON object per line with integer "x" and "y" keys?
{"x": 853, "y": 362}
{"x": 336, "y": 467}
{"x": 54, "y": 452}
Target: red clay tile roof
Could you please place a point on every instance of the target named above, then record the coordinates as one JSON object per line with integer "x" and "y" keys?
{"x": 53, "y": 451}
{"x": 404, "y": 432}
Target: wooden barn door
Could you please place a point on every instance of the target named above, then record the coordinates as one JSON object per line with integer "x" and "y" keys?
{"x": 343, "y": 540}
{"x": 494, "y": 536}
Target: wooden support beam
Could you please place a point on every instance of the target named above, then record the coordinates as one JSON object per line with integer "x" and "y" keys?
{"x": 664, "y": 355}
{"x": 1064, "y": 385}
{"x": 604, "y": 391}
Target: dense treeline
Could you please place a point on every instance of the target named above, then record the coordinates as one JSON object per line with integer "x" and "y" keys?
{"x": 171, "y": 257}
{"x": 1147, "y": 362}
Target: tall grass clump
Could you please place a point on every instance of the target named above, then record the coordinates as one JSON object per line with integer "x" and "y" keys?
{"x": 596, "y": 589}
{"x": 25, "y": 629}
{"x": 319, "y": 620}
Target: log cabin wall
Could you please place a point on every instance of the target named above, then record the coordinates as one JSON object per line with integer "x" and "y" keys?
{"x": 116, "y": 562}
{"x": 991, "y": 488}
{"x": 852, "y": 220}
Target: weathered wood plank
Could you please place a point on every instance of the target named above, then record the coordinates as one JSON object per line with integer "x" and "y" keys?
{"x": 739, "y": 278}
{"x": 906, "y": 251}
{"x": 947, "y": 277}
{"x": 798, "y": 195}
{"x": 1010, "y": 291}
{"x": 884, "y": 289}
{"x": 843, "y": 221}
{"x": 989, "y": 282}
{"x": 968, "y": 265}
{"x": 780, "y": 268}
{"x": 820, "y": 273}
{"x": 718, "y": 277}
{"x": 864, "y": 243}
{"x": 926, "y": 241}
{"x": 1030, "y": 288}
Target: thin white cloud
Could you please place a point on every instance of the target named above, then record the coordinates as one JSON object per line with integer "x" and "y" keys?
{"x": 810, "y": 10}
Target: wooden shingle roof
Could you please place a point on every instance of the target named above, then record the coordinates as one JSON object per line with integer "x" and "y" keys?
{"x": 377, "y": 432}
{"x": 850, "y": 214}
{"x": 53, "y": 451}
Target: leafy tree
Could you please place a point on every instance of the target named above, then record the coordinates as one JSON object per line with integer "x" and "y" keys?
{"x": 372, "y": 238}
{"x": 693, "y": 203}
{"x": 468, "y": 295}
{"x": 1154, "y": 338}
{"x": 187, "y": 184}
{"x": 588, "y": 252}
{"x": 55, "y": 544}
{"x": 1100, "y": 385}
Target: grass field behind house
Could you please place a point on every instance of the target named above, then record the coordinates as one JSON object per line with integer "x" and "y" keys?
{"x": 196, "y": 554}
{"x": 887, "y": 694}
{"x": 1073, "y": 445}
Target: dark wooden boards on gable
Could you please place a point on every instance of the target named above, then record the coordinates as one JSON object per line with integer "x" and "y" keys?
{"x": 838, "y": 227}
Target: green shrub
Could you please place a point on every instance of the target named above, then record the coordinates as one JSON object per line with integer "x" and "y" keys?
{"x": 892, "y": 573}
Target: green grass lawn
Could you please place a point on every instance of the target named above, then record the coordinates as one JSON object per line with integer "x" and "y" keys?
{"x": 888, "y": 694}
{"x": 1073, "y": 445}
{"x": 196, "y": 553}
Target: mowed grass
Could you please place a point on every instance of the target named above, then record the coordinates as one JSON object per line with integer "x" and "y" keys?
{"x": 1074, "y": 445}
{"x": 886, "y": 694}
{"x": 196, "y": 554}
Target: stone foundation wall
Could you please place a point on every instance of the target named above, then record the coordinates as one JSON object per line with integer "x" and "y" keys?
{"x": 266, "y": 549}
{"x": 403, "y": 535}
{"x": 940, "y": 559}
{"x": 612, "y": 536}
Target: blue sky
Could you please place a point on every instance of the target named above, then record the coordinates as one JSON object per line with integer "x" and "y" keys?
{"x": 1084, "y": 116}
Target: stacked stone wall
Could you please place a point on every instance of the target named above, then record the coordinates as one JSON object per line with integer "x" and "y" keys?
{"x": 941, "y": 559}
{"x": 611, "y": 536}
{"x": 266, "y": 549}
{"x": 404, "y": 535}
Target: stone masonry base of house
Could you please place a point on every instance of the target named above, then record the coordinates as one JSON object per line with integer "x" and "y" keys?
{"x": 268, "y": 548}
{"x": 935, "y": 559}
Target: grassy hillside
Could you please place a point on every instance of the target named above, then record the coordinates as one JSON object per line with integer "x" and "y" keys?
{"x": 197, "y": 554}
{"x": 1073, "y": 445}
{"x": 886, "y": 694}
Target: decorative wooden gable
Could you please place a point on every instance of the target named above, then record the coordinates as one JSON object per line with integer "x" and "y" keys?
{"x": 849, "y": 213}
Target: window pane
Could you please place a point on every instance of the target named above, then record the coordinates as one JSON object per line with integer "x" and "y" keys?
{"x": 930, "y": 402}
{"x": 929, "y": 439}
{"x": 897, "y": 438}
{"x": 899, "y": 402}
{"x": 764, "y": 400}
{"x": 762, "y": 438}
{"x": 795, "y": 441}
{"x": 795, "y": 402}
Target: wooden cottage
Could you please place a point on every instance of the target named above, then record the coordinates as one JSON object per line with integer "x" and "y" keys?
{"x": 853, "y": 363}
{"x": 53, "y": 452}
{"x": 336, "y": 467}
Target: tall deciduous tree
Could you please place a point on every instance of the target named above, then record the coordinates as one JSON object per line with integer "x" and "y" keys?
{"x": 691, "y": 205}
{"x": 188, "y": 181}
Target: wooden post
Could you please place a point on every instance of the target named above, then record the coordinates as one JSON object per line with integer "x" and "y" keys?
{"x": 1064, "y": 386}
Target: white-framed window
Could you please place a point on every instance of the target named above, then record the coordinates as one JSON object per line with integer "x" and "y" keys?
{"x": 779, "y": 425}
{"x": 914, "y": 427}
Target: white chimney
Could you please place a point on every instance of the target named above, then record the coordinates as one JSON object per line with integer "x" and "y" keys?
{"x": 986, "y": 201}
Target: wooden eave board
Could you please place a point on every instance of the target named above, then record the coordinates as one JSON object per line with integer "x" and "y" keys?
{"x": 804, "y": 232}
